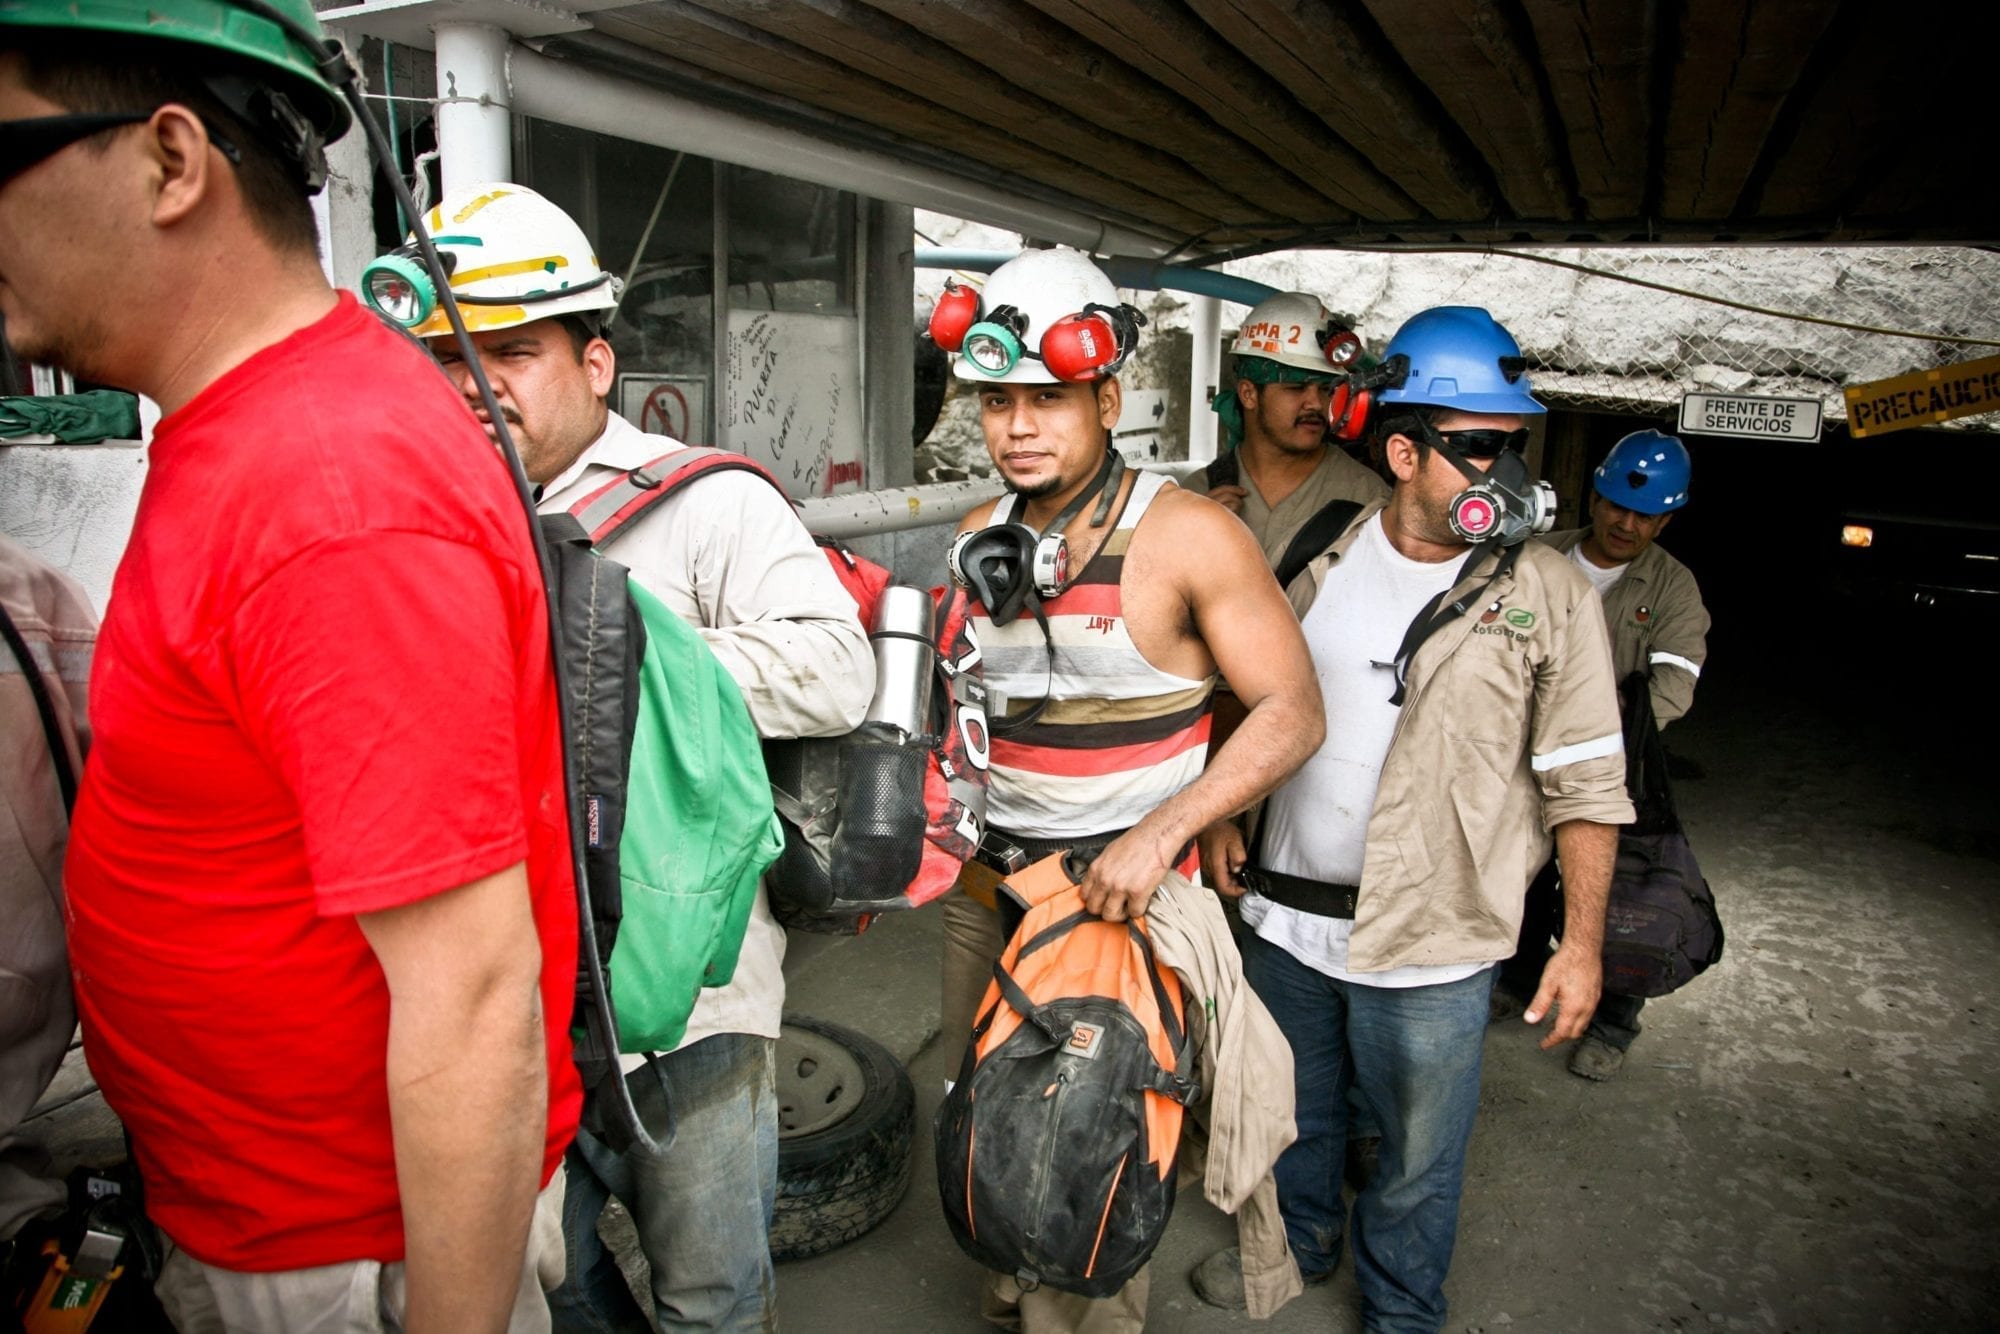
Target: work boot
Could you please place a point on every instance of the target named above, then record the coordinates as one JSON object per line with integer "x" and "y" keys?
{"x": 1218, "y": 1280}
{"x": 1594, "y": 1058}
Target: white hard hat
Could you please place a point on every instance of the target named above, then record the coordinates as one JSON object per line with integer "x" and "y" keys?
{"x": 512, "y": 258}
{"x": 1293, "y": 329}
{"x": 1040, "y": 288}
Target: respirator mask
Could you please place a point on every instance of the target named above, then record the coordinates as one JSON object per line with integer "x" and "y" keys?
{"x": 1505, "y": 505}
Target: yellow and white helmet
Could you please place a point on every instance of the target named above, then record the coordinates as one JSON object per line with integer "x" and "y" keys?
{"x": 1296, "y": 329}
{"x": 512, "y": 258}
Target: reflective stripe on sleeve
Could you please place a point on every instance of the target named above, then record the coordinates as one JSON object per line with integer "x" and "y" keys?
{"x": 1676, "y": 660}
{"x": 1609, "y": 744}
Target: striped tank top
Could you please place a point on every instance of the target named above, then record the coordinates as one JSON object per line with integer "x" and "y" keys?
{"x": 1119, "y": 736}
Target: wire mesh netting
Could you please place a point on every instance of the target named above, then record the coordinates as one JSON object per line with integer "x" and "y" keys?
{"x": 1611, "y": 339}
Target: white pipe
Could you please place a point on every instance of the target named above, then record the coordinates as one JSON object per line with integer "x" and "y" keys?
{"x": 863, "y": 513}
{"x": 1204, "y": 370}
{"x": 586, "y": 99}
{"x": 475, "y": 134}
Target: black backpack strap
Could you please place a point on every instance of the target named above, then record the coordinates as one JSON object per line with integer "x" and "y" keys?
{"x": 1315, "y": 536}
{"x": 1646, "y": 760}
{"x": 1223, "y": 470}
{"x": 1433, "y": 617}
{"x": 45, "y": 706}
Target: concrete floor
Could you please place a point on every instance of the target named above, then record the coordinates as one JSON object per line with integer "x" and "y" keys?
{"x": 1802, "y": 1140}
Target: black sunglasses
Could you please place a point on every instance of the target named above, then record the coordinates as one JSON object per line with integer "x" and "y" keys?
{"x": 1484, "y": 444}
{"x": 23, "y": 143}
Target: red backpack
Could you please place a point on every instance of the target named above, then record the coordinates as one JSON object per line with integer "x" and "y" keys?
{"x": 874, "y": 820}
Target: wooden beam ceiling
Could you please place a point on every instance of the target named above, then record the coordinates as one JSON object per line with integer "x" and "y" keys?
{"x": 1251, "y": 123}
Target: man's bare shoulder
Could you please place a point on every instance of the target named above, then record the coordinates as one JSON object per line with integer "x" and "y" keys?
{"x": 1198, "y": 527}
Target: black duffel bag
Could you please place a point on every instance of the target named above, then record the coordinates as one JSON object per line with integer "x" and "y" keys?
{"x": 1661, "y": 929}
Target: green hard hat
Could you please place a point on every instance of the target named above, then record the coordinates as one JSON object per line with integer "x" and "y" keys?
{"x": 248, "y": 29}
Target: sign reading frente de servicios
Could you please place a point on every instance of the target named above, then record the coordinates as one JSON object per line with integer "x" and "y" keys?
{"x": 1923, "y": 398}
{"x": 1794, "y": 419}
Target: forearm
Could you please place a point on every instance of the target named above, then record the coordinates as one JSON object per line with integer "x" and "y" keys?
{"x": 1587, "y": 852}
{"x": 468, "y": 1106}
{"x": 1274, "y": 738}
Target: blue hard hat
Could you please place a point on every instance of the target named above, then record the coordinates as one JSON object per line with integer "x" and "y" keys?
{"x": 1460, "y": 358}
{"x": 1646, "y": 472}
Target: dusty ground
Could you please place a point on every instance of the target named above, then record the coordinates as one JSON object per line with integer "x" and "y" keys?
{"x": 1803, "y": 1140}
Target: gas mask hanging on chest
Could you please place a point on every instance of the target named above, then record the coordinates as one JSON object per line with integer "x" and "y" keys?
{"x": 1504, "y": 505}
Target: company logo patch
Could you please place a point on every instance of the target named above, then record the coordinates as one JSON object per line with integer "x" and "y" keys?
{"x": 1084, "y": 1040}
{"x": 1521, "y": 617}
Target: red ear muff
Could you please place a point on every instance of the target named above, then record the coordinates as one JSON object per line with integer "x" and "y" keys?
{"x": 956, "y": 311}
{"x": 1347, "y": 411}
{"x": 1080, "y": 347}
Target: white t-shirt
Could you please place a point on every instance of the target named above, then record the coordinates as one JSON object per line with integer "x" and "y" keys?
{"x": 1600, "y": 578}
{"x": 1316, "y": 825}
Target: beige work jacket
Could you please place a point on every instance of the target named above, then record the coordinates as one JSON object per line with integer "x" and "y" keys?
{"x": 1509, "y": 728}
{"x": 1657, "y": 623}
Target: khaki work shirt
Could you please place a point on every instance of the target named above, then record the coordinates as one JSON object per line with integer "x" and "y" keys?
{"x": 37, "y": 1011}
{"x": 1338, "y": 477}
{"x": 1509, "y": 727}
{"x": 1657, "y": 621}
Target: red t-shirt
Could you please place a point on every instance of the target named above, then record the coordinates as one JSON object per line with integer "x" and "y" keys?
{"x": 322, "y": 688}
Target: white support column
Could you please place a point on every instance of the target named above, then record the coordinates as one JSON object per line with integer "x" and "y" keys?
{"x": 475, "y": 138}
{"x": 1204, "y": 369}
{"x": 344, "y": 210}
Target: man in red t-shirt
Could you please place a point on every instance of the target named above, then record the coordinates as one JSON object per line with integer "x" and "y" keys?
{"x": 321, "y": 917}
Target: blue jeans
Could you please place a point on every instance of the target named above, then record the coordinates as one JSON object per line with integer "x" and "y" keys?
{"x": 702, "y": 1207}
{"x": 1414, "y": 1053}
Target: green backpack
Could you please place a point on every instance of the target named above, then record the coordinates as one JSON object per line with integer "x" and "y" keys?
{"x": 678, "y": 820}
{"x": 699, "y": 831}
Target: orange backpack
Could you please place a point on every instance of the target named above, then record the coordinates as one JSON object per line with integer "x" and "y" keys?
{"x": 1056, "y": 1147}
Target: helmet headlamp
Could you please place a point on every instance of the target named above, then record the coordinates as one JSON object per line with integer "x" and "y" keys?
{"x": 397, "y": 285}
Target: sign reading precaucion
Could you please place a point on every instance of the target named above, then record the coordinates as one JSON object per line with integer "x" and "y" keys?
{"x": 1923, "y": 398}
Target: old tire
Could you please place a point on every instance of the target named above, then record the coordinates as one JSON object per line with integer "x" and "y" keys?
{"x": 846, "y": 1120}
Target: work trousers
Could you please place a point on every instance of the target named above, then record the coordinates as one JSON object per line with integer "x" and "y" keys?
{"x": 702, "y": 1206}
{"x": 1414, "y": 1053}
{"x": 352, "y": 1297}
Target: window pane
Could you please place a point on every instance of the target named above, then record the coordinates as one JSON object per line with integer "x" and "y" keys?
{"x": 791, "y": 244}
{"x": 651, "y": 214}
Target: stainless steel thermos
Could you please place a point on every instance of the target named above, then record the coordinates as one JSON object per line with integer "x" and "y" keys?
{"x": 905, "y": 657}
